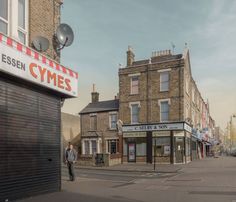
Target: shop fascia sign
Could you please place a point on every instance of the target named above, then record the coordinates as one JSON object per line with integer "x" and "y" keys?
{"x": 25, "y": 63}
{"x": 153, "y": 127}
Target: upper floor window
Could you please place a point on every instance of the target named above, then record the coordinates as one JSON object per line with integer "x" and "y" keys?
{"x": 4, "y": 16}
{"x": 14, "y": 19}
{"x": 164, "y": 81}
{"x": 21, "y": 21}
{"x": 113, "y": 120}
{"x": 134, "y": 85}
{"x": 93, "y": 122}
{"x": 164, "y": 111}
{"x": 134, "y": 113}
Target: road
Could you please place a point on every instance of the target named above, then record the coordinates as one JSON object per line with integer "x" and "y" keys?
{"x": 207, "y": 180}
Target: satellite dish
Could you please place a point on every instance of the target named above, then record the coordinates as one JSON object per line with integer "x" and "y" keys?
{"x": 40, "y": 43}
{"x": 65, "y": 35}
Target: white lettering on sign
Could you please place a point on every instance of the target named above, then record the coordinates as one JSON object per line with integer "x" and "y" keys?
{"x": 25, "y": 63}
{"x": 153, "y": 127}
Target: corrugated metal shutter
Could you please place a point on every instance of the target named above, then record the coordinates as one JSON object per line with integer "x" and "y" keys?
{"x": 29, "y": 141}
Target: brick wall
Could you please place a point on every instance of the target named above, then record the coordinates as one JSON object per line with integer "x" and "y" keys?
{"x": 44, "y": 18}
{"x": 149, "y": 91}
{"x": 103, "y": 127}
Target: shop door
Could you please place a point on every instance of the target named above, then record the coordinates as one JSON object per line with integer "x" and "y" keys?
{"x": 179, "y": 149}
{"x": 131, "y": 152}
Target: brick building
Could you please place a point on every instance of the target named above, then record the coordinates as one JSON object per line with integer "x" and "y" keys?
{"x": 32, "y": 86}
{"x": 98, "y": 127}
{"x": 152, "y": 107}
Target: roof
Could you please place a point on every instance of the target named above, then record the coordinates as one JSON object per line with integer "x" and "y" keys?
{"x": 109, "y": 105}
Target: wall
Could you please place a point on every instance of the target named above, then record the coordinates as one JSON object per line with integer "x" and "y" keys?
{"x": 149, "y": 92}
{"x": 70, "y": 128}
{"x": 44, "y": 18}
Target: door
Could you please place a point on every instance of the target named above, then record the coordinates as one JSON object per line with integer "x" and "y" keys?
{"x": 179, "y": 149}
{"x": 131, "y": 152}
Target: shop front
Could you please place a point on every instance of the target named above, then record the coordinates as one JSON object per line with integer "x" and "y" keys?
{"x": 163, "y": 143}
{"x": 31, "y": 89}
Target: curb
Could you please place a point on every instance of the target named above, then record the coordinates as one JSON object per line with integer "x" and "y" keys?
{"x": 119, "y": 170}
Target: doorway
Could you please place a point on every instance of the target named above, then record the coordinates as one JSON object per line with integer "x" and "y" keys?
{"x": 179, "y": 149}
{"x": 131, "y": 152}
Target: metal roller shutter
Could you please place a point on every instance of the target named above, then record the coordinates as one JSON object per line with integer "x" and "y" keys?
{"x": 29, "y": 141}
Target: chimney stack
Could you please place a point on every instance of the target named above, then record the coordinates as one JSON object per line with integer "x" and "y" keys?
{"x": 95, "y": 95}
{"x": 130, "y": 56}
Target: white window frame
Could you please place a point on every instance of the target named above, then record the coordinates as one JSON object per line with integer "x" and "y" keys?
{"x": 130, "y": 106}
{"x": 8, "y": 16}
{"x": 12, "y": 28}
{"x": 161, "y": 82}
{"x": 110, "y": 114}
{"x": 24, "y": 31}
{"x": 159, "y": 103}
{"x": 131, "y": 86}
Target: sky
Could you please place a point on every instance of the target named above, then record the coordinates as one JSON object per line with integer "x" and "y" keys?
{"x": 103, "y": 30}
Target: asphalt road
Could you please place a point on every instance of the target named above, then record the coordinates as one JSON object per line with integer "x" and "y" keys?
{"x": 207, "y": 180}
{"x": 114, "y": 175}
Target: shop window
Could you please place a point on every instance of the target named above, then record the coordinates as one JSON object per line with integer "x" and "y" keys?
{"x": 112, "y": 146}
{"x": 187, "y": 146}
{"x": 134, "y": 113}
{"x": 161, "y": 146}
{"x": 164, "y": 111}
{"x": 134, "y": 85}
{"x": 94, "y": 146}
{"x": 141, "y": 149}
{"x": 164, "y": 81}
{"x": 113, "y": 120}
{"x": 4, "y": 17}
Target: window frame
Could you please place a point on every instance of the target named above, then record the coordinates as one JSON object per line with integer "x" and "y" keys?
{"x": 20, "y": 29}
{"x": 8, "y": 16}
{"x": 159, "y": 103}
{"x": 132, "y": 91}
{"x": 110, "y": 120}
{"x": 131, "y": 111}
{"x": 12, "y": 21}
{"x": 162, "y": 89}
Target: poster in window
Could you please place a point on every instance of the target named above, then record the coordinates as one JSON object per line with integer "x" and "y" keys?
{"x": 131, "y": 152}
{"x": 166, "y": 150}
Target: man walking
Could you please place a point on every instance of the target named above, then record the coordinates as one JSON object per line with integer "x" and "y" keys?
{"x": 71, "y": 157}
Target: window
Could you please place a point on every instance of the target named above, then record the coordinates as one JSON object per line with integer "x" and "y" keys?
{"x": 11, "y": 24}
{"x": 86, "y": 147}
{"x": 161, "y": 146}
{"x": 93, "y": 122}
{"x": 21, "y": 21}
{"x": 112, "y": 146}
{"x": 164, "y": 81}
{"x": 164, "y": 111}
{"x": 134, "y": 85}
{"x": 113, "y": 120}
{"x": 134, "y": 113}
{"x": 94, "y": 146}
{"x": 4, "y": 17}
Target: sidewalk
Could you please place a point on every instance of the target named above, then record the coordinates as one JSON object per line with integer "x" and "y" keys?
{"x": 137, "y": 167}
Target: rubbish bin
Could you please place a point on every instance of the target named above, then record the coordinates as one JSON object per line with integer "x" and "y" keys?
{"x": 99, "y": 159}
